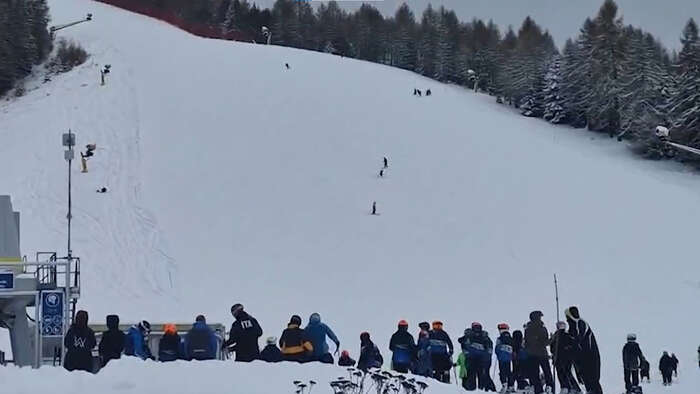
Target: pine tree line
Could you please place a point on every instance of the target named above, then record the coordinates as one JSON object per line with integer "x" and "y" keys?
{"x": 24, "y": 39}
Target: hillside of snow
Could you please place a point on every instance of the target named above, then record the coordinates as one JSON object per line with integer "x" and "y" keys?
{"x": 233, "y": 179}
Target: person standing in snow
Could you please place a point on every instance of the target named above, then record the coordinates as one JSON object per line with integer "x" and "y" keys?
{"x": 536, "y": 341}
{"x": 588, "y": 357}
{"x": 200, "y": 342}
{"x": 271, "y": 353}
{"x": 675, "y": 364}
{"x": 477, "y": 348}
{"x": 441, "y": 350}
{"x": 370, "y": 357}
{"x": 112, "y": 342}
{"x": 386, "y": 162}
{"x": 644, "y": 370}
{"x": 345, "y": 360}
{"x": 520, "y": 371}
{"x": 136, "y": 343}
{"x": 170, "y": 347}
{"x": 666, "y": 368}
{"x": 374, "y": 207}
{"x": 403, "y": 348}
{"x": 79, "y": 342}
{"x": 316, "y": 332}
{"x": 244, "y": 334}
{"x": 632, "y": 358}
{"x": 504, "y": 353}
{"x": 563, "y": 347}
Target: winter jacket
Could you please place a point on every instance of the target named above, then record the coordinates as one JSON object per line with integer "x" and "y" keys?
{"x": 402, "y": 346}
{"x": 170, "y": 348}
{"x": 346, "y": 361}
{"x": 536, "y": 339}
{"x": 585, "y": 340}
{"x": 675, "y": 361}
{"x": 112, "y": 342}
{"x": 519, "y": 352}
{"x": 440, "y": 335}
{"x": 563, "y": 348}
{"x": 504, "y": 347}
{"x": 632, "y": 356}
{"x": 477, "y": 347}
{"x": 271, "y": 354}
{"x": 135, "y": 344}
{"x": 316, "y": 332}
{"x": 370, "y": 357}
{"x": 243, "y": 337}
{"x": 294, "y": 344}
{"x": 200, "y": 342}
{"x": 423, "y": 365}
{"x": 666, "y": 363}
{"x": 462, "y": 365}
{"x": 79, "y": 342}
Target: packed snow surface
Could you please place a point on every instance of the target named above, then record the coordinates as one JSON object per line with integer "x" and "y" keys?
{"x": 234, "y": 179}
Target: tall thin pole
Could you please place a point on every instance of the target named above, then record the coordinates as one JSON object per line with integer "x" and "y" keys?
{"x": 556, "y": 293}
{"x": 70, "y": 200}
{"x": 554, "y": 375}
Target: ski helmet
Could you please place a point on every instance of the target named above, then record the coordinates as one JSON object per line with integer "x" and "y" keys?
{"x": 403, "y": 323}
{"x": 561, "y": 325}
{"x": 536, "y": 315}
{"x": 437, "y": 325}
{"x": 236, "y": 308}
{"x": 424, "y": 325}
{"x": 631, "y": 337}
{"x": 503, "y": 327}
{"x": 271, "y": 340}
{"x": 364, "y": 336}
{"x": 345, "y": 354}
{"x": 476, "y": 326}
{"x": 170, "y": 329}
{"x": 145, "y": 326}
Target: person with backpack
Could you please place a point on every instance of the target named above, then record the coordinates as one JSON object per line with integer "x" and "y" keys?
{"x": 441, "y": 350}
{"x": 563, "y": 347}
{"x": 403, "y": 348}
{"x": 666, "y": 368}
{"x": 136, "y": 342}
{"x": 504, "y": 354}
{"x": 244, "y": 334}
{"x": 423, "y": 363}
{"x": 536, "y": 341}
{"x": 112, "y": 342}
{"x": 477, "y": 348}
{"x": 294, "y": 344}
{"x": 632, "y": 358}
{"x": 588, "y": 357}
{"x": 520, "y": 366}
{"x": 170, "y": 346}
{"x": 271, "y": 353}
{"x": 316, "y": 332}
{"x": 79, "y": 342}
{"x": 200, "y": 342}
{"x": 370, "y": 357}
{"x": 345, "y": 360}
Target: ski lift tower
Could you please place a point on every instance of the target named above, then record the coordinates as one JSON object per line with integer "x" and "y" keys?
{"x": 664, "y": 136}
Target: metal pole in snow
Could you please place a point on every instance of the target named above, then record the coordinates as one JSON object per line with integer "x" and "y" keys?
{"x": 554, "y": 369}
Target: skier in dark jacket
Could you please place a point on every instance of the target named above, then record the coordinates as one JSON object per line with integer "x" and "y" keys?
{"x": 244, "y": 334}
{"x": 563, "y": 347}
{"x": 136, "y": 341}
{"x": 441, "y": 350}
{"x": 345, "y": 360}
{"x": 644, "y": 370}
{"x": 370, "y": 357}
{"x": 504, "y": 354}
{"x": 588, "y": 357}
{"x": 423, "y": 364}
{"x": 294, "y": 343}
{"x": 632, "y": 358}
{"x": 536, "y": 341}
{"x": 112, "y": 342}
{"x": 666, "y": 368}
{"x": 520, "y": 371}
{"x": 403, "y": 348}
{"x": 675, "y": 364}
{"x": 271, "y": 353}
{"x": 200, "y": 342}
{"x": 316, "y": 332}
{"x": 170, "y": 347}
{"x": 79, "y": 342}
{"x": 477, "y": 348}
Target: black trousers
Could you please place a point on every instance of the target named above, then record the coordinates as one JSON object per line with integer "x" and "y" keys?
{"x": 667, "y": 376}
{"x": 505, "y": 373}
{"x": 631, "y": 379}
{"x": 589, "y": 367}
{"x": 520, "y": 373}
{"x": 566, "y": 376}
{"x": 535, "y": 364}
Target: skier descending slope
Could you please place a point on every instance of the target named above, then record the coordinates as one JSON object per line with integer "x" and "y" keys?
{"x": 244, "y": 334}
{"x": 588, "y": 358}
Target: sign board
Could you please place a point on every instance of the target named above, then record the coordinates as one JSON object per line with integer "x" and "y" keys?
{"x": 7, "y": 281}
{"x": 52, "y": 313}
{"x": 68, "y": 139}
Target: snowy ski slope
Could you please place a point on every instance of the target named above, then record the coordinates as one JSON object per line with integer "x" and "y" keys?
{"x": 232, "y": 179}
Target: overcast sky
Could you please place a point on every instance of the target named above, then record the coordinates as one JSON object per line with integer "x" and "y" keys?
{"x": 563, "y": 18}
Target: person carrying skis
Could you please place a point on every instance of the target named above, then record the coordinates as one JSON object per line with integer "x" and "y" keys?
{"x": 294, "y": 343}
{"x": 200, "y": 342}
{"x": 423, "y": 364}
{"x": 403, "y": 348}
{"x": 563, "y": 347}
{"x": 244, "y": 334}
{"x": 136, "y": 343}
{"x": 170, "y": 347}
{"x": 536, "y": 341}
{"x": 271, "y": 353}
{"x": 112, "y": 342}
{"x": 588, "y": 358}
{"x": 477, "y": 348}
{"x": 504, "y": 353}
{"x": 441, "y": 350}
{"x": 316, "y": 332}
{"x": 632, "y": 358}
{"x": 666, "y": 368}
{"x": 79, "y": 342}
{"x": 345, "y": 360}
{"x": 520, "y": 370}
{"x": 370, "y": 357}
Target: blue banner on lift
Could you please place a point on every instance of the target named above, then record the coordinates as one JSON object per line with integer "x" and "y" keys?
{"x": 7, "y": 280}
{"x": 52, "y": 313}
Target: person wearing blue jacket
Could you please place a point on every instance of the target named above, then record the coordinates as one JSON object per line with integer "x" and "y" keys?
{"x": 478, "y": 349}
{"x": 423, "y": 364}
{"x": 136, "y": 341}
{"x": 504, "y": 353}
{"x": 316, "y": 332}
{"x": 200, "y": 342}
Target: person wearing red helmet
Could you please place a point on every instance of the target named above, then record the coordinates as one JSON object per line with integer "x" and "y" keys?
{"x": 504, "y": 353}
{"x": 441, "y": 350}
{"x": 345, "y": 360}
{"x": 403, "y": 348}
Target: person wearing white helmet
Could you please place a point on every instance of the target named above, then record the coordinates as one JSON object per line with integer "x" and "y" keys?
{"x": 632, "y": 358}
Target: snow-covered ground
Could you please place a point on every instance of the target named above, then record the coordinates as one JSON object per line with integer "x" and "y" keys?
{"x": 232, "y": 179}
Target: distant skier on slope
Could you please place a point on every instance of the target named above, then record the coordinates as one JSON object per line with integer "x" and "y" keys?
{"x": 386, "y": 162}
{"x": 244, "y": 334}
{"x": 666, "y": 368}
{"x": 428, "y": 92}
{"x": 374, "y": 207}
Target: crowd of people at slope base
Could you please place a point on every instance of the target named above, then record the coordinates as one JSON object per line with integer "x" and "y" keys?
{"x": 522, "y": 356}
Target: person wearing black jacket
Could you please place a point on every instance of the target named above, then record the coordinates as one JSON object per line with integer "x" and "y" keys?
{"x": 271, "y": 353}
{"x": 644, "y": 370}
{"x": 536, "y": 341}
{"x": 370, "y": 357}
{"x": 563, "y": 347}
{"x": 294, "y": 344}
{"x": 112, "y": 342}
{"x": 675, "y": 364}
{"x": 520, "y": 367}
{"x": 666, "y": 368}
{"x": 588, "y": 355}
{"x": 244, "y": 334}
{"x": 403, "y": 348}
{"x": 632, "y": 358}
{"x": 345, "y": 360}
{"x": 79, "y": 342}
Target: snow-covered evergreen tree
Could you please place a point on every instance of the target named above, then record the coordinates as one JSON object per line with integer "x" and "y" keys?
{"x": 684, "y": 106}
{"x": 553, "y": 103}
